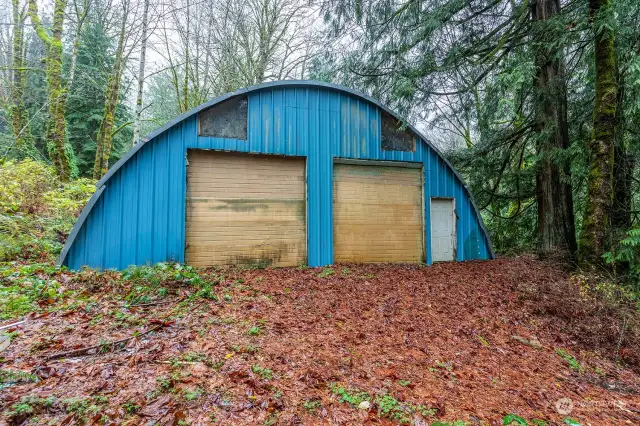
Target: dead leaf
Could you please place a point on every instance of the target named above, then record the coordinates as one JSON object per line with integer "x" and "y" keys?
{"x": 533, "y": 342}
{"x": 178, "y": 416}
{"x": 157, "y": 408}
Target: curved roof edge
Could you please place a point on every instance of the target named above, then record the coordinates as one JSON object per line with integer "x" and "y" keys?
{"x": 79, "y": 222}
{"x": 273, "y": 84}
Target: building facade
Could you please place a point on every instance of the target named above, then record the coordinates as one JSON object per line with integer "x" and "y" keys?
{"x": 280, "y": 174}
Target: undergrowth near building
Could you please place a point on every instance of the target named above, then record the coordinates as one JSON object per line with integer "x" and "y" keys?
{"x": 37, "y": 210}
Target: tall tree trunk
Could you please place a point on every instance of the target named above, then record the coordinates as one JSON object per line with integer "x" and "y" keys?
{"x": 623, "y": 169}
{"x": 185, "y": 85}
{"x": 82, "y": 16}
{"x": 143, "y": 53}
{"x": 105, "y": 133}
{"x": 19, "y": 120}
{"x": 56, "y": 126}
{"x": 556, "y": 222}
{"x": 596, "y": 223}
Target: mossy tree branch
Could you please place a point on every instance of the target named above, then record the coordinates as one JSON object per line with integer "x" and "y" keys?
{"x": 597, "y": 217}
{"x": 21, "y": 133}
{"x": 56, "y": 126}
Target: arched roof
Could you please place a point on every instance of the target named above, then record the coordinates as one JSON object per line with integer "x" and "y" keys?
{"x": 215, "y": 101}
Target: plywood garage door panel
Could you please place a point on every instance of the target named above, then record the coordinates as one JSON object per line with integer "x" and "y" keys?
{"x": 377, "y": 214}
{"x": 245, "y": 209}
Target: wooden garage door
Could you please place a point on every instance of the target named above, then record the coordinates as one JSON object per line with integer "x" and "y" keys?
{"x": 377, "y": 214}
{"x": 245, "y": 210}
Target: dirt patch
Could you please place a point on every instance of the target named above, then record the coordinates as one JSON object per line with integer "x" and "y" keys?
{"x": 375, "y": 344}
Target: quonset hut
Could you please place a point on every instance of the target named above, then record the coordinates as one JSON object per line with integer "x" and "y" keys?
{"x": 282, "y": 174}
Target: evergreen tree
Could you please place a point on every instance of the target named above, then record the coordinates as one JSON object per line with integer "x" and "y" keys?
{"x": 87, "y": 98}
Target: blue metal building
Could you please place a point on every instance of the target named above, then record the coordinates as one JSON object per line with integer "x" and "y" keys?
{"x": 139, "y": 212}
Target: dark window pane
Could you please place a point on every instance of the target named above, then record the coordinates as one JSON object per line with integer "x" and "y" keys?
{"x": 225, "y": 120}
{"x": 394, "y": 138}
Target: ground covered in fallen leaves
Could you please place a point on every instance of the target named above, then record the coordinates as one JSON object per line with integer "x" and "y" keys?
{"x": 471, "y": 342}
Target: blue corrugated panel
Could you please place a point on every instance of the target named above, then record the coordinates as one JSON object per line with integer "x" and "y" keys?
{"x": 140, "y": 216}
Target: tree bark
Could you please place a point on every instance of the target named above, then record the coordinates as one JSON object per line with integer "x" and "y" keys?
{"x": 19, "y": 121}
{"x": 56, "y": 126}
{"x": 143, "y": 53}
{"x": 104, "y": 140}
{"x": 82, "y": 16}
{"x": 185, "y": 85}
{"x": 623, "y": 168}
{"x": 596, "y": 222}
{"x": 556, "y": 222}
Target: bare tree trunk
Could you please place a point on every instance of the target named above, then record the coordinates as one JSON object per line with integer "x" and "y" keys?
{"x": 19, "y": 121}
{"x": 82, "y": 16}
{"x": 185, "y": 86}
{"x": 143, "y": 52}
{"x": 597, "y": 217}
{"x": 56, "y": 127}
{"x": 105, "y": 133}
{"x": 556, "y": 222}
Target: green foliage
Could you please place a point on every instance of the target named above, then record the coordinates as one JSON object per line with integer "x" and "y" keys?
{"x": 388, "y": 406}
{"x": 70, "y": 198}
{"x": 29, "y": 406}
{"x": 150, "y": 282}
{"x": 627, "y": 253}
{"x": 13, "y": 376}
{"x": 130, "y": 407}
{"x": 161, "y": 273}
{"x": 85, "y": 104}
{"x": 483, "y": 341}
{"x": 254, "y": 331}
{"x": 23, "y": 185}
{"x": 264, "y": 373}
{"x": 36, "y": 209}
{"x": 511, "y": 419}
{"x": 402, "y": 412}
{"x": 85, "y": 407}
{"x": 23, "y": 287}
{"x": 326, "y": 273}
{"x": 514, "y": 419}
{"x": 571, "y": 360}
{"x": 312, "y": 405}
{"x": 351, "y": 397}
{"x": 193, "y": 394}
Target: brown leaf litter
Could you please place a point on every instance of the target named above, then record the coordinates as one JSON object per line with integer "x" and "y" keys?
{"x": 464, "y": 340}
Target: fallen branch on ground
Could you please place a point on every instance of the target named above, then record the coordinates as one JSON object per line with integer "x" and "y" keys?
{"x": 112, "y": 345}
{"x": 103, "y": 347}
{"x": 159, "y": 302}
{"x": 12, "y": 325}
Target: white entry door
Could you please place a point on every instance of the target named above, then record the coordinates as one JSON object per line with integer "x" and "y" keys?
{"x": 443, "y": 229}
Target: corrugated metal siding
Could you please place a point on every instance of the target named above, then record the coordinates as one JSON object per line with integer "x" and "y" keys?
{"x": 140, "y": 217}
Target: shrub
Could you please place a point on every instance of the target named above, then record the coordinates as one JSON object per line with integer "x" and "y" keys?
{"x": 23, "y": 185}
{"x": 626, "y": 257}
{"x": 37, "y": 211}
